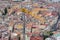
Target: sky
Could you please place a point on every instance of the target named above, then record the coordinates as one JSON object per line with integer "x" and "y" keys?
{"x": 55, "y": 0}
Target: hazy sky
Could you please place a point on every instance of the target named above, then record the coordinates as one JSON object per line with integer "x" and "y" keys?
{"x": 55, "y": 0}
